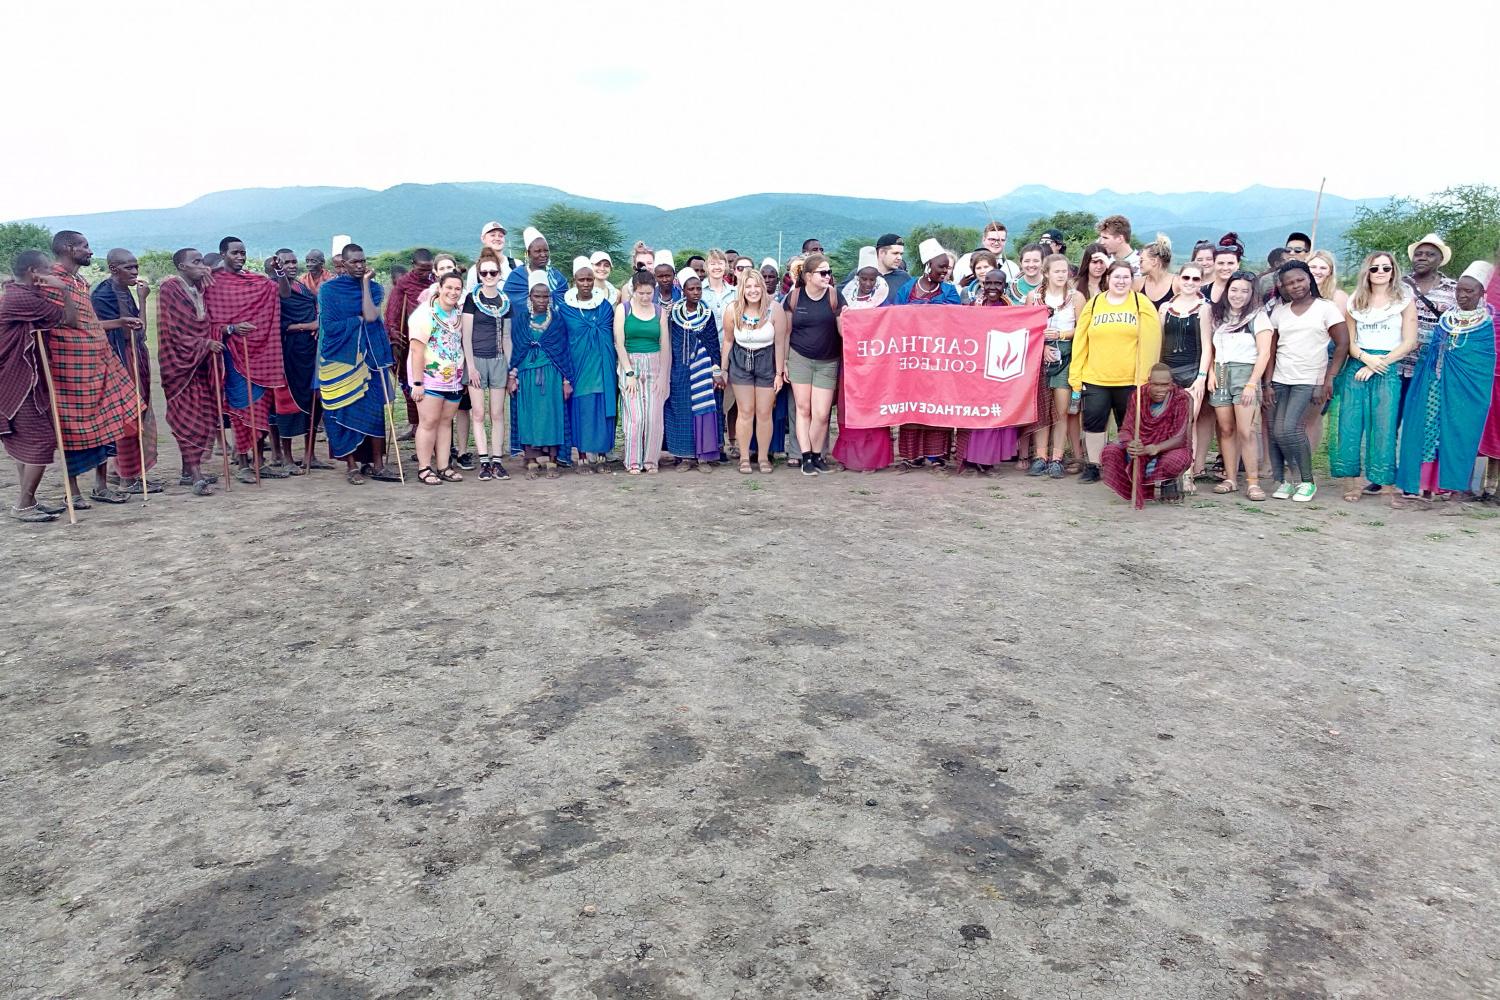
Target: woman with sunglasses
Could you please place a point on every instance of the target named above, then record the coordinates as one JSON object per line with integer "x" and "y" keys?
{"x": 1186, "y": 345}
{"x": 484, "y": 312}
{"x": 435, "y": 370}
{"x": 1367, "y": 393}
{"x": 1238, "y": 356}
{"x": 1228, "y": 253}
{"x": 1302, "y": 374}
{"x": 809, "y": 351}
{"x": 1117, "y": 341}
{"x": 589, "y": 317}
{"x": 1092, "y": 265}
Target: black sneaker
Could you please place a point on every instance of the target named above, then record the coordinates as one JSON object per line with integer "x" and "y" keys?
{"x": 1372, "y": 488}
{"x": 484, "y": 471}
{"x": 809, "y": 464}
{"x": 821, "y": 463}
{"x": 498, "y": 471}
{"x": 466, "y": 461}
{"x": 1090, "y": 474}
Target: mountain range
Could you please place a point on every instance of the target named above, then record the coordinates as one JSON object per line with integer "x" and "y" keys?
{"x": 449, "y": 216}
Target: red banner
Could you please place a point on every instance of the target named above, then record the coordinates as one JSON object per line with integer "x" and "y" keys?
{"x": 947, "y": 366}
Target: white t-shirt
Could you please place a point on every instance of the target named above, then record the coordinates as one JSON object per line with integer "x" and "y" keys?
{"x": 1302, "y": 342}
{"x": 1237, "y": 347}
{"x": 1379, "y": 328}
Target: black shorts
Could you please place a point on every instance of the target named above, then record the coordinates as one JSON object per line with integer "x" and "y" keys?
{"x": 1099, "y": 401}
{"x": 755, "y": 367}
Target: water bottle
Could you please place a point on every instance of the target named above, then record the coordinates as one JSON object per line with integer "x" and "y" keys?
{"x": 1075, "y": 403}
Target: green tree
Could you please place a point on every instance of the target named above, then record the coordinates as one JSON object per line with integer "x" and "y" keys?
{"x": 156, "y": 265}
{"x": 1467, "y": 217}
{"x": 577, "y": 232}
{"x": 18, "y": 236}
{"x": 382, "y": 262}
{"x": 959, "y": 239}
{"x": 1078, "y": 229}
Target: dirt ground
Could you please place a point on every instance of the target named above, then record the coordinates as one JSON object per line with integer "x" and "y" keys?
{"x": 714, "y": 736}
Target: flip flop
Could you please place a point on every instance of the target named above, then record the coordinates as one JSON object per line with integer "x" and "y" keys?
{"x": 108, "y": 496}
{"x": 32, "y": 515}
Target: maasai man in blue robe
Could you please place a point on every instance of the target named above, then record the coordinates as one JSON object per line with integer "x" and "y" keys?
{"x": 589, "y": 317}
{"x": 297, "y": 402}
{"x": 541, "y": 374}
{"x": 517, "y": 286}
{"x": 119, "y": 313}
{"x": 354, "y": 363}
{"x": 691, "y": 414}
{"x": 1449, "y": 399}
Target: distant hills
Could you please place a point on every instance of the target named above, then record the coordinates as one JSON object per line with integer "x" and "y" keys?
{"x": 449, "y": 215}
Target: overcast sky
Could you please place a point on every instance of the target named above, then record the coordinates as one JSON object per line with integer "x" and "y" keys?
{"x": 153, "y": 103}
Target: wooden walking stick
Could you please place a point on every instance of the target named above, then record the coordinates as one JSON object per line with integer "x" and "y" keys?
{"x": 1135, "y": 465}
{"x": 41, "y": 350}
{"x": 390, "y": 423}
{"x": 140, "y": 409}
{"x": 1317, "y": 210}
{"x": 219, "y": 406}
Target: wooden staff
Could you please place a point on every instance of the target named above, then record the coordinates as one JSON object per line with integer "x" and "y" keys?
{"x": 1317, "y": 209}
{"x": 390, "y": 423}
{"x": 1135, "y": 465}
{"x": 140, "y": 409}
{"x": 41, "y": 350}
{"x": 219, "y": 406}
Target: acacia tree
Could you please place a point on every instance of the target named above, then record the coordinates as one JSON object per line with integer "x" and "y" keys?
{"x": 577, "y": 232}
{"x": 18, "y": 236}
{"x": 1467, "y": 217}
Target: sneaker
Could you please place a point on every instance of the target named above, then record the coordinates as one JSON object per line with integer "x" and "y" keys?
{"x": 809, "y": 464}
{"x": 1055, "y": 470}
{"x": 1373, "y": 488}
{"x": 821, "y": 463}
{"x": 1038, "y": 467}
{"x": 484, "y": 471}
{"x": 1090, "y": 474}
{"x": 1283, "y": 492}
{"x": 466, "y": 461}
{"x": 498, "y": 471}
{"x": 1305, "y": 492}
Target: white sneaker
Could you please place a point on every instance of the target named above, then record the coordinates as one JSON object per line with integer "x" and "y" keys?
{"x": 1283, "y": 492}
{"x": 1305, "y": 492}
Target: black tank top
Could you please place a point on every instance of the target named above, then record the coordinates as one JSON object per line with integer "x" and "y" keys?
{"x": 1180, "y": 339}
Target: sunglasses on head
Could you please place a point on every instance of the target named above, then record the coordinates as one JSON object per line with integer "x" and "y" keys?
{"x": 742, "y": 267}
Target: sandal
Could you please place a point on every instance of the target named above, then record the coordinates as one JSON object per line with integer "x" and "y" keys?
{"x": 353, "y": 478}
{"x": 109, "y": 495}
{"x": 705, "y": 467}
{"x": 652, "y": 469}
{"x": 634, "y": 470}
{"x": 450, "y": 475}
{"x": 766, "y": 468}
{"x": 385, "y": 475}
{"x": 203, "y": 488}
{"x": 1254, "y": 492}
{"x": 1073, "y": 468}
{"x": 318, "y": 464}
{"x": 685, "y": 465}
{"x": 533, "y": 470}
{"x": 31, "y": 515}
{"x": 745, "y": 469}
{"x": 427, "y": 477}
{"x": 1353, "y": 495}
{"x": 1227, "y": 486}
{"x": 552, "y": 472}
{"x": 246, "y": 475}
{"x": 295, "y": 470}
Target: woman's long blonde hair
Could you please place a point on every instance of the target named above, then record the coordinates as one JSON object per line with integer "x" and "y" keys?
{"x": 737, "y": 307}
{"x": 1363, "y": 290}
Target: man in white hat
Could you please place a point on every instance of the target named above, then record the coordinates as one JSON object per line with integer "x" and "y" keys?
{"x": 491, "y": 235}
{"x": 1434, "y": 291}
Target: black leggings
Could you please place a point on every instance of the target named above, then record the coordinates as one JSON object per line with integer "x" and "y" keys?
{"x": 1289, "y": 444}
{"x": 1099, "y": 401}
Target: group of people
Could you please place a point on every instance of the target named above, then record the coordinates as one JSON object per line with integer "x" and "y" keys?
{"x": 723, "y": 360}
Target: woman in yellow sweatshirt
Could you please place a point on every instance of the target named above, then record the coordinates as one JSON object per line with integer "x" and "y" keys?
{"x": 1117, "y": 341}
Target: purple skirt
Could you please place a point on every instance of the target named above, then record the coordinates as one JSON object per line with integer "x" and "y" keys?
{"x": 706, "y": 436}
{"x": 991, "y": 446}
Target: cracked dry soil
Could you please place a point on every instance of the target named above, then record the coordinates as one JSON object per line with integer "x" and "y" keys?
{"x": 712, "y": 737}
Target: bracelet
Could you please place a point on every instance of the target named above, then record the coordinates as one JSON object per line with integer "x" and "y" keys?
{"x": 630, "y": 374}
{"x": 1202, "y": 373}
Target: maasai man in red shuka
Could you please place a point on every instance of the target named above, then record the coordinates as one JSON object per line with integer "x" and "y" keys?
{"x": 25, "y": 410}
{"x": 406, "y": 293}
{"x": 1163, "y": 448}
{"x": 246, "y": 308}
{"x": 188, "y": 348}
{"x": 95, "y": 399}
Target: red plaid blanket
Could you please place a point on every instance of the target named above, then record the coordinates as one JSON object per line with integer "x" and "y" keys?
{"x": 95, "y": 400}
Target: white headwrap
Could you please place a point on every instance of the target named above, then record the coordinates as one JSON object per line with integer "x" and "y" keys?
{"x": 537, "y": 278}
{"x": 663, "y": 257}
{"x": 930, "y": 250}
{"x": 769, "y": 262}
{"x": 1481, "y": 271}
{"x": 867, "y": 258}
{"x": 530, "y": 236}
{"x": 582, "y": 264}
{"x": 685, "y": 274}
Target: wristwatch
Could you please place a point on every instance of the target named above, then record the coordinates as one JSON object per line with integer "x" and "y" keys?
{"x": 630, "y": 374}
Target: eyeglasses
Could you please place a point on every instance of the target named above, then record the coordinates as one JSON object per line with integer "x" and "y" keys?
{"x": 1190, "y": 277}
{"x": 489, "y": 272}
{"x": 742, "y": 267}
{"x": 1381, "y": 268}
{"x": 824, "y": 273}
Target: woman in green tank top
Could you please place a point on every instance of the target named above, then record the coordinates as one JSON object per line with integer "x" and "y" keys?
{"x": 641, "y": 342}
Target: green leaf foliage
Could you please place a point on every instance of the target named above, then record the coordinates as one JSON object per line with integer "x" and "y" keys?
{"x": 1467, "y": 217}
{"x": 579, "y": 232}
{"x": 18, "y": 236}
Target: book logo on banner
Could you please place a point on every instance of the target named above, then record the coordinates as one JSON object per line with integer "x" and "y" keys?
{"x": 1005, "y": 355}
